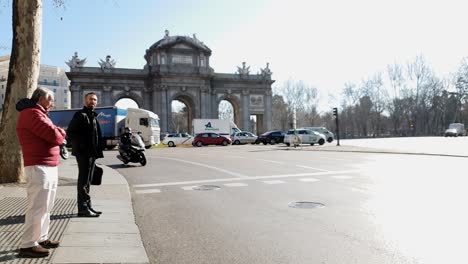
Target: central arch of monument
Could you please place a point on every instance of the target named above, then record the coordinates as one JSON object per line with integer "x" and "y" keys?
{"x": 177, "y": 68}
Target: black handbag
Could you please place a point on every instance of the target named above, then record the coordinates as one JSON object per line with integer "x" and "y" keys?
{"x": 97, "y": 175}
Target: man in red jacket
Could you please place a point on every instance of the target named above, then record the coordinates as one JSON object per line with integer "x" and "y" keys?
{"x": 40, "y": 140}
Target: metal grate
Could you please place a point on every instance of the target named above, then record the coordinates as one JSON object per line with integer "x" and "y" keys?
{"x": 12, "y": 210}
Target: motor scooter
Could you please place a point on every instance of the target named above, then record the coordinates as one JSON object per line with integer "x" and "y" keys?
{"x": 135, "y": 152}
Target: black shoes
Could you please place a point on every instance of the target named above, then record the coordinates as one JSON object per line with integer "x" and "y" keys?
{"x": 94, "y": 211}
{"x": 87, "y": 213}
{"x": 34, "y": 252}
{"x": 49, "y": 243}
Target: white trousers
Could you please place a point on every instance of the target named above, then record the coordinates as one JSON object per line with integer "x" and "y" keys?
{"x": 41, "y": 188}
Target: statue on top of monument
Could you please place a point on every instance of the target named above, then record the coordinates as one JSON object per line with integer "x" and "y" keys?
{"x": 166, "y": 33}
{"x": 108, "y": 63}
{"x": 75, "y": 62}
{"x": 244, "y": 71}
{"x": 266, "y": 72}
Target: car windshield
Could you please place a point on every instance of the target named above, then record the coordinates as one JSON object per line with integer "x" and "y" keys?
{"x": 154, "y": 122}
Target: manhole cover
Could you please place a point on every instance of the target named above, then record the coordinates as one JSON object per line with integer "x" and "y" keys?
{"x": 206, "y": 187}
{"x": 305, "y": 205}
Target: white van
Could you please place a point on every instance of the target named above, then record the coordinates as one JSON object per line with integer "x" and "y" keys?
{"x": 146, "y": 122}
{"x": 455, "y": 130}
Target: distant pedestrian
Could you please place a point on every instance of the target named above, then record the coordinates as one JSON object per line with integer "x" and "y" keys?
{"x": 40, "y": 140}
{"x": 86, "y": 138}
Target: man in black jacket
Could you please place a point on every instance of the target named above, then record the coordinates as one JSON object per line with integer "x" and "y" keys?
{"x": 86, "y": 138}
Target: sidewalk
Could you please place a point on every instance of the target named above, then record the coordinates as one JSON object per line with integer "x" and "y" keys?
{"x": 111, "y": 238}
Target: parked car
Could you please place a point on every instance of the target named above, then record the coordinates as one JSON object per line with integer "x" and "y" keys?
{"x": 243, "y": 138}
{"x": 322, "y": 130}
{"x": 175, "y": 139}
{"x": 455, "y": 130}
{"x": 271, "y": 137}
{"x": 210, "y": 139}
{"x": 305, "y": 136}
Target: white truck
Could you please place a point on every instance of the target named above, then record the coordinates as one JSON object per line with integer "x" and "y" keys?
{"x": 455, "y": 130}
{"x": 219, "y": 126}
{"x": 145, "y": 122}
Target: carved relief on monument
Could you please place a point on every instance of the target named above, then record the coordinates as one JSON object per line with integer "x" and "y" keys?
{"x": 256, "y": 102}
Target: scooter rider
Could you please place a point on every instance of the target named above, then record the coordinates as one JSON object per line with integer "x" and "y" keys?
{"x": 125, "y": 142}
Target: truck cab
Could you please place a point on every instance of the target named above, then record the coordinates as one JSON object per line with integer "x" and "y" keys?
{"x": 146, "y": 122}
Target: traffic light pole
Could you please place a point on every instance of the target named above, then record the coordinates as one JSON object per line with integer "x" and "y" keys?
{"x": 335, "y": 113}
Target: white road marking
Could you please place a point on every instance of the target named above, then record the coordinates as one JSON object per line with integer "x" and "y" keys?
{"x": 206, "y": 166}
{"x": 246, "y": 179}
{"x": 312, "y": 168}
{"x": 271, "y": 161}
{"x": 188, "y": 188}
{"x": 148, "y": 191}
{"x": 273, "y": 182}
{"x": 235, "y": 184}
{"x": 236, "y": 157}
{"x": 342, "y": 177}
{"x": 309, "y": 180}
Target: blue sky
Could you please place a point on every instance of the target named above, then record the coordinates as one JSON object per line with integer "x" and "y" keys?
{"x": 324, "y": 43}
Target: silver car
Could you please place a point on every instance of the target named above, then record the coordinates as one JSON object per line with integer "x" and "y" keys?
{"x": 243, "y": 138}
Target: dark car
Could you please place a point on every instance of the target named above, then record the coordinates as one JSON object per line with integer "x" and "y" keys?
{"x": 271, "y": 137}
{"x": 210, "y": 139}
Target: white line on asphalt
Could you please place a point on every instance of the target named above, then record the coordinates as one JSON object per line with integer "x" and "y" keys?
{"x": 148, "y": 191}
{"x": 206, "y": 166}
{"x": 342, "y": 177}
{"x": 249, "y": 178}
{"x": 188, "y": 188}
{"x": 273, "y": 182}
{"x": 271, "y": 161}
{"x": 235, "y": 184}
{"x": 309, "y": 180}
{"x": 312, "y": 168}
{"x": 236, "y": 157}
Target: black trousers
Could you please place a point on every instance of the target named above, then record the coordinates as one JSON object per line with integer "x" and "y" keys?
{"x": 85, "y": 171}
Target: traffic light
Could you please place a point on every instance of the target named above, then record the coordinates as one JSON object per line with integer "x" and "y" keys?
{"x": 335, "y": 111}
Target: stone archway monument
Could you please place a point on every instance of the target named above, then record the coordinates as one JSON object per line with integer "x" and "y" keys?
{"x": 177, "y": 67}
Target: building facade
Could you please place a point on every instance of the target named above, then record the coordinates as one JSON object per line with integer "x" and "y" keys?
{"x": 50, "y": 77}
{"x": 177, "y": 68}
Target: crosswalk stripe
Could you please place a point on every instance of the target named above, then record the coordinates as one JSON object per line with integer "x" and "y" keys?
{"x": 235, "y": 184}
{"x": 148, "y": 191}
{"x": 342, "y": 177}
{"x": 273, "y": 182}
{"x": 309, "y": 180}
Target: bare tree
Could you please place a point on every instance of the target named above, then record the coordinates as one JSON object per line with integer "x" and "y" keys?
{"x": 22, "y": 81}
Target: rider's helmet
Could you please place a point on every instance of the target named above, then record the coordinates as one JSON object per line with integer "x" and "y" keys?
{"x": 128, "y": 130}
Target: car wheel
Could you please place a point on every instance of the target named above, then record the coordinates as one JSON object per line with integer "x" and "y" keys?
{"x": 330, "y": 140}
{"x": 264, "y": 143}
{"x": 272, "y": 141}
{"x": 287, "y": 144}
{"x": 225, "y": 143}
{"x": 257, "y": 142}
{"x": 312, "y": 144}
{"x": 237, "y": 142}
{"x": 199, "y": 144}
{"x": 171, "y": 144}
{"x": 321, "y": 141}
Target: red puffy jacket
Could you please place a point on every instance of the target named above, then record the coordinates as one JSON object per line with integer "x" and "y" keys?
{"x": 38, "y": 136}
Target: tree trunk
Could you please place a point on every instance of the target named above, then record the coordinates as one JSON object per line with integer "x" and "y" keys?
{"x": 22, "y": 81}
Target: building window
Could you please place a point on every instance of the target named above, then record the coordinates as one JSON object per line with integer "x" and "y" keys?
{"x": 65, "y": 91}
{"x": 181, "y": 59}
{"x": 55, "y": 83}
{"x": 65, "y": 100}
{"x": 45, "y": 81}
{"x": 55, "y": 90}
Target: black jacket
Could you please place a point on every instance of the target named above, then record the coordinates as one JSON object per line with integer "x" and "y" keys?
{"x": 85, "y": 134}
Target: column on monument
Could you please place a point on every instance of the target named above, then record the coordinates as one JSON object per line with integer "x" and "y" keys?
{"x": 204, "y": 102}
{"x": 245, "y": 110}
{"x": 214, "y": 106}
{"x": 147, "y": 98}
{"x": 75, "y": 96}
{"x": 268, "y": 111}
{"x": 164, "y": 113}
{"x": 106, "y": 95}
